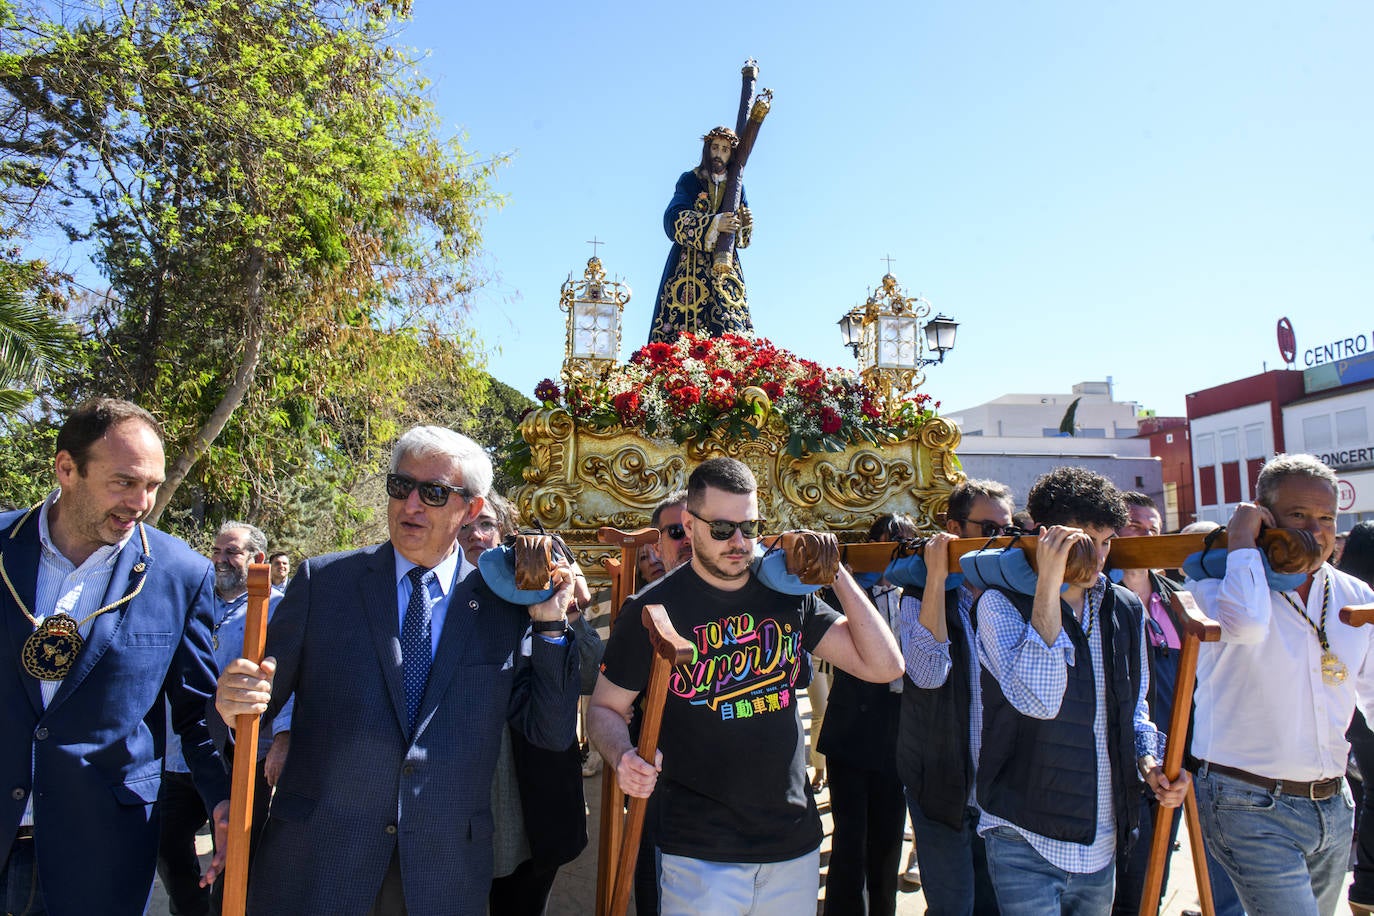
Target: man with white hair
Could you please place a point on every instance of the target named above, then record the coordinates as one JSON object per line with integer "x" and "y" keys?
{"x": 1274, "y": 697}
{"x": 405, "y": 666}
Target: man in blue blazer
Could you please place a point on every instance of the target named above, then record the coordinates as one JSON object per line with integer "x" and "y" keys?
{"x": 101, "y": 617}
{"x": 405, "y": 666}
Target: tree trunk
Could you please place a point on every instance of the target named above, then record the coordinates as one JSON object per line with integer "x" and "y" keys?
{"x": 254, "y": 336}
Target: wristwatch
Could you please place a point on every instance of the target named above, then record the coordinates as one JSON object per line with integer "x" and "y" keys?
{"x": 550, "y": 627}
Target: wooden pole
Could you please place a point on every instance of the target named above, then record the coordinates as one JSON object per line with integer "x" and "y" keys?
{"x": 611, "y": 832}
{"x": 246, "y": 758}
{"x": 670, "y": 650}
{"x": 1197, "y": 629}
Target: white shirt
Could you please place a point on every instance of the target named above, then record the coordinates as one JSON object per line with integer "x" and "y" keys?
{"x": 1262, "y": 705}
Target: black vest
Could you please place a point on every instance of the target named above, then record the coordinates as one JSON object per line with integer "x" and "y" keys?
{"x": 933, "y": 754}
{"x": 1041, "y": 774}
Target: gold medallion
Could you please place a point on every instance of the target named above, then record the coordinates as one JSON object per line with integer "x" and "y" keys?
{"x": 1334, "y": 671}
{"x": 50, "y": 652}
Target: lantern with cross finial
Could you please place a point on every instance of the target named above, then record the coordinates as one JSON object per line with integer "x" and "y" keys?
{"x": 594, "y": 306}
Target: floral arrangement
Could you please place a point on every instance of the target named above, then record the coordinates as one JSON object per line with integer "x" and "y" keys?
{"x": 699, "y": 386}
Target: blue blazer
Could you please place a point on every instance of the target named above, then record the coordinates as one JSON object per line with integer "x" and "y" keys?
{"x": 356, "y": 783}
{"x": 97, "y": 748}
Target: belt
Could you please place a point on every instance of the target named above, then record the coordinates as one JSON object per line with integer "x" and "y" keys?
{"x": 25, "y": 833}
{"x": 1319, "y": 790}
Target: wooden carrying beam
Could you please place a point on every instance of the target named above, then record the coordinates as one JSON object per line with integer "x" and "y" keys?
{"x": 609, "y": 837}
{"x": 1197, "y": 629}
{"x": 1164, "y": 551}
{"x": 670, "y": 650}
{"x": 246, "y": 740}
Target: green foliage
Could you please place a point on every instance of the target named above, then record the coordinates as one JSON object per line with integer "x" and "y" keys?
{"x": 286, "y": 236}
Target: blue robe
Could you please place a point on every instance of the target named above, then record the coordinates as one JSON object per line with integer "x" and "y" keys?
{"x": 690, "y": 296}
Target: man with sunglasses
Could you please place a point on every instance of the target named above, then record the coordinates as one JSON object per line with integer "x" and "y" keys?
{"x": 737, "y": 824}
{"x": 942, "y": 714}
{"x": 674, "y": 547}
{"x": 405, "y": 666}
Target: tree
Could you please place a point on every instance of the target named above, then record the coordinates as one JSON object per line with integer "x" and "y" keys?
{"x": 34, "y": 341}
{"x": 263, "y": 186}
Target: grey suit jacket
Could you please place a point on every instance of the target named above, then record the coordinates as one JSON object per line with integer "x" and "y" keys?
{"x": 356, "y": 783}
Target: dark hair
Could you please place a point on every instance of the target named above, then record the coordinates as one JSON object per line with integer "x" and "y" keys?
{"x": 1076, "y": 496}
{"x": 962, "y": 497}
{"x": 279, "y": 553}
{"x": 1136, "y": 498}
{"x": 92, "y": 419}
{"x": 1358, "y": 556}
{"x": 675, "y": 498}
{"x": 1022, "y": 519}
{"x": 722, "y": 473}
{"x": 890, "y": 527}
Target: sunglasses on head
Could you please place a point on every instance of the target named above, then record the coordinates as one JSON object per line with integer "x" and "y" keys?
{"x": 722, "y": 530}
{"x": 676, "y": 532}
{"x": 989, "y": 529}
{"x": 432, "y": 493}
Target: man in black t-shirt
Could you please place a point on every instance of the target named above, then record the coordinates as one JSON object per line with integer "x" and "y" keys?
{"x": 736, "y": 818}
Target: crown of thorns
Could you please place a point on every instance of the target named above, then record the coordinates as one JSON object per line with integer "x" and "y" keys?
{"x": 722, "y": 133}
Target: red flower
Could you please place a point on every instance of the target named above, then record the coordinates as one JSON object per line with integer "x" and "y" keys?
{"x": 658, "y": 353}
{"x": 722, "y": 375}
{"x": 685, "y": 397}
{"x": 699, "y": 348}
{"x": 830, "y": 421}
{"x": 772, "y": 389}
{"x": 547, "y": 391}
{"x": 722, "y": 396}
{"x": 870, "y": 409}
{"x": 628, "y": 407}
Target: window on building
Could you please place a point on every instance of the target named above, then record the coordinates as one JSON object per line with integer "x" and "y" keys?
{"x": 1169, "y": 438}
{"x": 1206, "y": 450}
{"x": 1207, "y": 485}
{"x": 1230, "y": 445}
{"x": 1230, "y": 481}
{"x": 1316, "y": 433}
{"x": 1351, "y": 429}
{"x": 1254, "y": 441}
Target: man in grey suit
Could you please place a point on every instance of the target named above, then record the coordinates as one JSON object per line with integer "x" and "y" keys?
{"x": 405, "y": 666}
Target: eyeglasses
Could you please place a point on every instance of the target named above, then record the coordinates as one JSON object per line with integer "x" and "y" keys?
{"x": 432, "y": 493}
{"x": 989, "y": 529}
{"x": 677, "y": 532}
{"x": 722, "y": 530}
{"x": 481, "y": 526}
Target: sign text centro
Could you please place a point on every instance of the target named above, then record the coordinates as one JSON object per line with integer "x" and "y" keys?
{"x": 1343, "y": 348}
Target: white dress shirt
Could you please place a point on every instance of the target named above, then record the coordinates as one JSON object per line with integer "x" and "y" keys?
{"x": 1262, "y": 705}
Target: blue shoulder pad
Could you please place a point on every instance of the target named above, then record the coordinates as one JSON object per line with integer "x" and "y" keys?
{"x": 771, "y": 568}
{"x": 497, "y": 567}
{"x": 910, "y": 572}
{"x": 1000, "y": 567}
{"x": 1212, "y": 565}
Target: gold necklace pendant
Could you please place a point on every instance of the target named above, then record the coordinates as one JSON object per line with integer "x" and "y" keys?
{"x": 1334, "y": 671}
{"x": 50, "y": 652}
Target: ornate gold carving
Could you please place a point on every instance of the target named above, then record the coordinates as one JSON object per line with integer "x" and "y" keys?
{"x": 582, "y": 479}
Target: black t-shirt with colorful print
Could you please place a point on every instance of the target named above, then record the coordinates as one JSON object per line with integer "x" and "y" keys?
{"x": 733, "y": 786}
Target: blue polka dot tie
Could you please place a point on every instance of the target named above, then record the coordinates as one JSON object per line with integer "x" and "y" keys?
{"x": 415, "y": 641}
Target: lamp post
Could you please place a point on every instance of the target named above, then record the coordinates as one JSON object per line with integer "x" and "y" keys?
{"x": 594, "y": 306}
{"x": 885, "y": 335}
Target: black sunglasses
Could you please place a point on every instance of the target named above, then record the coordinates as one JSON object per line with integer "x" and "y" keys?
{"x": 989, "y": 529}
{"x": 432, "y": 493}
{"x": 722, "y": 530}
{"x": 676, "y": 532}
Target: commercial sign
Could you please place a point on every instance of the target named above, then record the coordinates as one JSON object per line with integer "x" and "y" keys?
{"x": 1288, "y": 342}
{"x": 1348, "y": 458}
{"x": 1344, "y": 348}
{"x": 1345, "y": 495}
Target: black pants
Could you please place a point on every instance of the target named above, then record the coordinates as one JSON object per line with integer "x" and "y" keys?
{"x": 182, "y": 813}
{"x": 524, "y": 892}
{"x": 1362, "y": 743}
{"x": 1131, "y": 867}
{"x": 866, "y": 849}
{"x": 19, "y": 889}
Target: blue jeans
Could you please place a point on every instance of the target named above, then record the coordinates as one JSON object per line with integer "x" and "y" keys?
{"x": 1285, "y": 855}
{"x": 19, "y": 888}
{"x": 696, "y": 887}
{"x": 954, "y": 865}
{"x": 1028, "y": 885}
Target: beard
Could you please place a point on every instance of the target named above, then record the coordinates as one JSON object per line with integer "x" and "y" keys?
{"x": 230, "y": 580}
{"x": 716, "y": 566}
{"x": 717, "y": 165}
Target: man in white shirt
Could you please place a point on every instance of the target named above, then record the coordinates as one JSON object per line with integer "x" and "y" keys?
{"x": 1274, "y": 697}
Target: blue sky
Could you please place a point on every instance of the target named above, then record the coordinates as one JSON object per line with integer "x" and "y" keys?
{"x": 1131, "y": 190}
